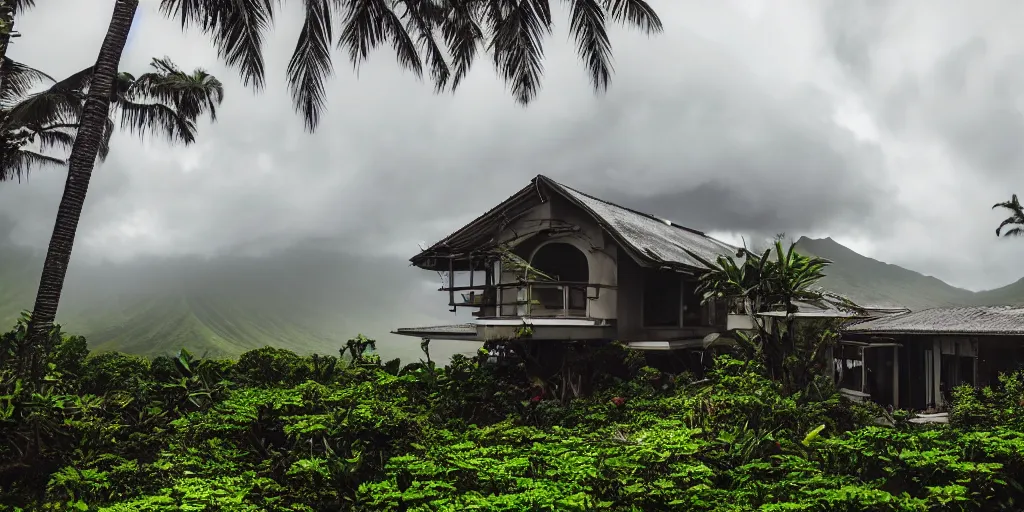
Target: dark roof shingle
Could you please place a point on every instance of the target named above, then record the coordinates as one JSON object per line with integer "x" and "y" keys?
{"x": 651, "y": 237}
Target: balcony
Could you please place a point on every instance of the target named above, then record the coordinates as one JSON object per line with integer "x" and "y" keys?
{"x": 538, "y": 299}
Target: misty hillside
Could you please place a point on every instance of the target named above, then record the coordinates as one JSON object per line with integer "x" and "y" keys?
{"x": 306, "y": 299}
{"x": 872, "y": 282}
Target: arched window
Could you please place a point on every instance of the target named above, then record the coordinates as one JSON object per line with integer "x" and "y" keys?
{"x": 565, "y": 263}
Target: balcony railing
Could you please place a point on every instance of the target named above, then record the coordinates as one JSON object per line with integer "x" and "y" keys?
{"x": 551, "y": 299}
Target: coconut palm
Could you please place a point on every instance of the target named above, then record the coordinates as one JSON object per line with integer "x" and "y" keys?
{"x": 444, "y": 37}
{"x": 1016, "y": 218}
{"x": 165, "y": 100}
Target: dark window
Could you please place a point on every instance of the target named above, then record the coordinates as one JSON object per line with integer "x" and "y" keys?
{"x": 693, "y": 312}
{"x": 662, "y": 299}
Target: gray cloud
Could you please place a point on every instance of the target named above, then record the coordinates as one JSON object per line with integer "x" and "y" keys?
{"x": 727, "y": 122}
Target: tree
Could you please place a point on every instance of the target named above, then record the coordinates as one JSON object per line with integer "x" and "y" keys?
{"x": 166, "y": 100}
{"x": 423, "y": 33}
{"x": 1016, "y": 218}
{"x": 775, "y": 281}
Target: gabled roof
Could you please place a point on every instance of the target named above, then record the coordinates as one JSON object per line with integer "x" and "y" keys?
{"x": 980, "y": 320}
{"x": 648, "y": 239}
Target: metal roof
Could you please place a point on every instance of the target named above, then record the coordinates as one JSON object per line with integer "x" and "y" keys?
{"x": 649, "y": 239}
{"x": 1005, "y": 320}
{"x": 652, "y": 238}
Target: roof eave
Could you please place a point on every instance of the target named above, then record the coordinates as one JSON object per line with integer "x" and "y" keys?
{"x": 439, "y": 248}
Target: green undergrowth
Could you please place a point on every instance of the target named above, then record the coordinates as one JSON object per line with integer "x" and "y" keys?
{"x": 277, "y": 432}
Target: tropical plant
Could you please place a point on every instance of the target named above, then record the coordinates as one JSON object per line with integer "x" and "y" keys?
{"x": 166, "y": 100}
{"x": 421, "y": 32}
{"x": 770, "y": 286}
{"x": 1016, "y": 218}
{"x": 121, "y": 433}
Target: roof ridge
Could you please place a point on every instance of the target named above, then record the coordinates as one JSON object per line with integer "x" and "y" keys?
{"x": 619, "y": 206}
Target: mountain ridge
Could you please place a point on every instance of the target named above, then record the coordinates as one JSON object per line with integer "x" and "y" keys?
{"x": 873, "y": 282}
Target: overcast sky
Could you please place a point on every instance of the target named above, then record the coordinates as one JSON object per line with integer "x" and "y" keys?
{"x": 890, "y": 126}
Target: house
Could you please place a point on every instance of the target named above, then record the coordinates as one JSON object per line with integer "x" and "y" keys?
{"x": 560, "y": 264}
{"x": 914, "y": 360}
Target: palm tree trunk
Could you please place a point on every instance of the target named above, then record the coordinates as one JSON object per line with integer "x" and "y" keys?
{"x": 37, "y": 342}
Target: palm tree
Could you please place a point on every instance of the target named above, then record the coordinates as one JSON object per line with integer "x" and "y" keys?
{"x": 166, "y": 100}
{"x": 445, "y": 36}
{"x": 1016, "y": 218}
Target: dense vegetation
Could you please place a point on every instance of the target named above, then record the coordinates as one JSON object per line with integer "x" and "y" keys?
{"x": 275, "y": 431}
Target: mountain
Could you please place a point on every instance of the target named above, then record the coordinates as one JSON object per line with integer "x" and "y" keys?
{"x": 309, "y": 298}
{"x": 871, "y": 282}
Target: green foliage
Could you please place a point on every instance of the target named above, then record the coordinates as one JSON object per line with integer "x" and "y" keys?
{"x": 775, "y": 282}
{"x": 279, "y": 432}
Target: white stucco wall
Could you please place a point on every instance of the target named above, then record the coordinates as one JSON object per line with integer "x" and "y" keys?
{"x": 588, "y": 238}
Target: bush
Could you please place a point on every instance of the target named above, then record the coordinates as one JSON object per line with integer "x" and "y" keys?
{"x": 280, "y": 432}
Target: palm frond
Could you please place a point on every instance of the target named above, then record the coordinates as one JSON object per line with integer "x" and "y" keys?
{"x": 368, "y": 24}
{"x": 1012, "y": 232}
{"x": 77, "y": 82}
{"x": 190, "y": 95}
{"x": 517, "y": 44}
{"x": 637, "y": 13}
{"x": 59, "y": 138}
{"x": 21, "y": 5}
{"x": 310, "y": 64}
{"x": 1016, "y": 217}
{"x": 52, "y": 106}
{"x": 1013, "y": 205}
{"x": 141, "y": 118}
{"x": 18, "y": 164}
{"x": 424, "y": 18}
{"x": 237, "y": 27}
{"x": 108, "y": 132}
{"x": 463, "y": 36}
{"x": 17, "y": 80}
{"x": 587, "y": 24}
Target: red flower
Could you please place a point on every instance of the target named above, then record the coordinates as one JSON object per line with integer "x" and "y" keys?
{"x": 535, "y": 398}
{"x": 619, "y": 401}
